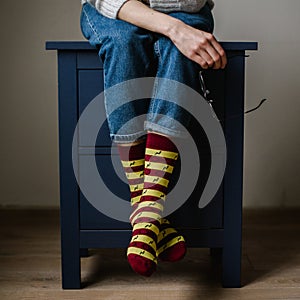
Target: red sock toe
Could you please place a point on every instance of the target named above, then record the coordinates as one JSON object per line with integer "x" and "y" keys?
{"x": 171, "y": 245}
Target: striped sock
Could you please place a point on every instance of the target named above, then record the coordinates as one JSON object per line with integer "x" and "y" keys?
{"x": 160, "y": 158}
{"x": 133, "y": 158}
{"x": 141, "y": 251}
{"x": 170, "y": 244}
{"x": 152, "y": 237}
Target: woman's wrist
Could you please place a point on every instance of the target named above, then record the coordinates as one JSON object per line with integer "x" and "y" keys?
{"x": 139, "y": 14}
{"x": 172, "y": 27}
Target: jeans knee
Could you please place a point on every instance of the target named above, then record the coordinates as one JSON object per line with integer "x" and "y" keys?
{"x": 176, "y": 66}
{"x": 168, "y": 52}
{"x": 128, "y": 49}
{"x": 131, "y": 39}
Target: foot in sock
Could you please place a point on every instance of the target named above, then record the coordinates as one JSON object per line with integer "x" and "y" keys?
{"x": 160, "y": 158}
{"x": 170, "y": 244}
{"x": 141, "y": 251}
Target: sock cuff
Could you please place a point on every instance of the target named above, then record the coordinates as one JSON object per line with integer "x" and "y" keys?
{"x": 161, "y": 142}
{"x": 132, "y": 153}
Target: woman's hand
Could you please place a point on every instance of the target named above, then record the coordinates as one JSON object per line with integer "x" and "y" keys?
{"x": 198, "y": 45}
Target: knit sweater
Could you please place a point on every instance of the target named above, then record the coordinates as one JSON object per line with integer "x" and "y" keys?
{"x": 110, "y": 8}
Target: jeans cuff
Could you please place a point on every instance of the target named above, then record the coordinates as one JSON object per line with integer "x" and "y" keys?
{"x": 127, "y": 138}
{"x": 149, "y": 126}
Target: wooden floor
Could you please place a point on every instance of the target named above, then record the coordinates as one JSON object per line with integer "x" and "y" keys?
{"x": 30, "y": 263}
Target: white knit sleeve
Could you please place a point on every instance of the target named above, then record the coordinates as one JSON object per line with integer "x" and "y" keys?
{"x": 107, "y": 8}
{"x": 110, "y": 8}
{"x": 179, "y": 5}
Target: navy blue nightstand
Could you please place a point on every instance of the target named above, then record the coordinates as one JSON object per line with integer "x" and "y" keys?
{"x": 218, "y": 226}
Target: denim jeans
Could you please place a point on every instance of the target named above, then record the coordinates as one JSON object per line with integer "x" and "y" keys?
{"x": 130, "y": 52}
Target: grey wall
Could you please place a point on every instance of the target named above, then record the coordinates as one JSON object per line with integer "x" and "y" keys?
{"x": 272, "y": 144}
{"x": 29, "y": 149}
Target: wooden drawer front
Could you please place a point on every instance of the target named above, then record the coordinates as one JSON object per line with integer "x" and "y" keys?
{"x": 90, "y": 217}
{"x": 188, "y": 216}
{"x": 90, "y": 84}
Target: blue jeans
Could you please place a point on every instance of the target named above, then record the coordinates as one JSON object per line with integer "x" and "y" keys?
{"x": 130, "y": 52}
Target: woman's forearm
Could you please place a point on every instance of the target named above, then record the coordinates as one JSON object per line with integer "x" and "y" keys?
{"x": 197, "y": 45}
{"x": 139, "y": 14}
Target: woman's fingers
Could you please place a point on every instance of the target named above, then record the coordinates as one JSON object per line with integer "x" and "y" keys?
{"x": 199, "y": 46}
{"x": 215, "y": 51}
{"x": 221, "y": 59}
{"x": 207, "y": 58}
{"x": 209, "y": 53}
{"x": 199, "y": 60}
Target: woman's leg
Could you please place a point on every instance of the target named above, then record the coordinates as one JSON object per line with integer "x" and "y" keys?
{"x": 173, "y": 65}
{"x": 163, "y": 117}
{"x": 161, "y": 155}
{"x": 126, "y": 53}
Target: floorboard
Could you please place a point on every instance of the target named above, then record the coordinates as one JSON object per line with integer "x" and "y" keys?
{"x": 30, "y": 263}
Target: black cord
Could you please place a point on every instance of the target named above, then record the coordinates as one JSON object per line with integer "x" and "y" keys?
{"x": 210, "y": 101}
{"x": 261, "y": 102}
{"x": 238, "y": 115}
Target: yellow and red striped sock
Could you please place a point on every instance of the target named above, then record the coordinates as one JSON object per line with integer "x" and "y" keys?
{"x": 133, "y": 160}
{"x": 142, "y": 248}
{"x": 170, "y": 244}
{"x": 152, "y": 236}
{"x": 160, "y": 158}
